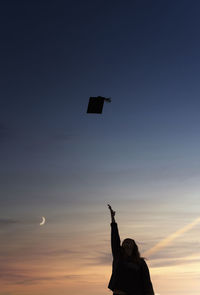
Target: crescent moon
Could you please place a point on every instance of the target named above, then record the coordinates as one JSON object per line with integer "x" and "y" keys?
{"x": 43, "y": 221}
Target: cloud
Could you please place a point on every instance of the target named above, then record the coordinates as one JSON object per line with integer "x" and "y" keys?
{"x": 22, "y": 276}
{"x": 61, "y": 252}
{"x": 170, "y": 238}
{"x": 37, "y": 143}
{"x": 15, "y": 276}
{"x": 175, "y": 261}
{"x": 74, "y": 277}
{"x": 30, "y": 280}
{"x": 7, "y": 222}
{"x": 158, "y": 173}
{"x": 179, "y": 253}
{"x": 33, "y": 254}
{"x": 102, "y": 258}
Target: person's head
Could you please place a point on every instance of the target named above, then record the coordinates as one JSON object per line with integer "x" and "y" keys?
{"x": 130, "y": 249}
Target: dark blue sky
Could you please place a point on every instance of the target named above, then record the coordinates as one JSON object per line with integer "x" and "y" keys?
{"x": 55, "y": 54}
{"x": 141, "y": 155}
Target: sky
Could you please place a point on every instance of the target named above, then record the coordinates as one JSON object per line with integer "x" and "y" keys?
{"x": 141, "y": 155}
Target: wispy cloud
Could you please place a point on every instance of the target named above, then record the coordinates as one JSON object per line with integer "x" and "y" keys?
{"x": 169, "y": 239}
{"x": 175, "y": 261}
{"x": 12, "y": 256}
{"x": 179, "y": 253}
{"x": 102, "y": 258}
{"x": 60, "y": 252}
{"x": 39, "y": 143}
{"x": 22, "y": 279}
{"x": 25, "y": 276}
{"x": 7, "y": 221}
{"x": 34, "y": 279}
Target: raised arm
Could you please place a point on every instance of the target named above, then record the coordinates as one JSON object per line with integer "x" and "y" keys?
{"x": 115, "y": 239}
{"x": 112, "y": 213}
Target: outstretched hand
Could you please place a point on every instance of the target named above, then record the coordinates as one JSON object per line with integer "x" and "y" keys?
{"x": 111, "y": 211}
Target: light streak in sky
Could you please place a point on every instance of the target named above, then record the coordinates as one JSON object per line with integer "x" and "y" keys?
{"x": 163, "y": 243}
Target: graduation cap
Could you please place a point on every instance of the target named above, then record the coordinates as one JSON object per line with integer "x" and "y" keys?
{"x": 95, "y": 105}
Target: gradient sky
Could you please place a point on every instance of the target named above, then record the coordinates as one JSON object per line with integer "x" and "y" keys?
{"x": 141, "y": 155}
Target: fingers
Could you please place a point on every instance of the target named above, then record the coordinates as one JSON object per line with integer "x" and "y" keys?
{"x": 111, "y": 210}
{"x": 109, "y": 207}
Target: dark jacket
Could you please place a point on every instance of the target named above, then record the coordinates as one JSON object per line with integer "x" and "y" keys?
{"x": 132, "y": 278}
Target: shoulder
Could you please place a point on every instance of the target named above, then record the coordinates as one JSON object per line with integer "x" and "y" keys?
{"x": 143, "y": 262}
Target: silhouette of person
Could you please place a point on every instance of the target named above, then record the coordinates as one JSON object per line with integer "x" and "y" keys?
{"x": 130, "y": 273}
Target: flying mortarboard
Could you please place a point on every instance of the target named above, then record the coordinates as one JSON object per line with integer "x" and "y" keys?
{"x": 95, "y": 105}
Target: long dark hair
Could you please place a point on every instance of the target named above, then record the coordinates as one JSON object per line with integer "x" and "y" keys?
{"x": 134, "y": 257}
